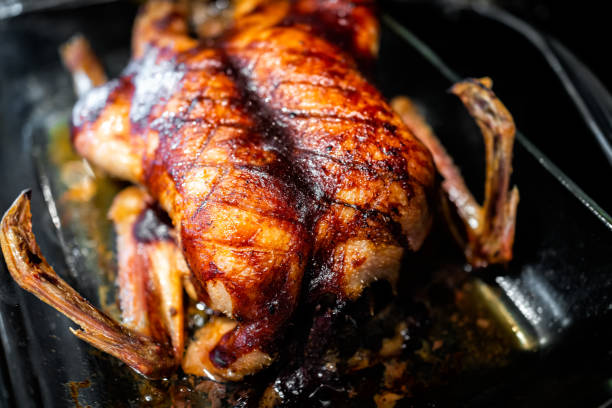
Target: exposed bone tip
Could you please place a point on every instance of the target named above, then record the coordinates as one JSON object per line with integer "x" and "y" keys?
{"x": 485, "y": 81}
{"x": 77, "y": 332}
{"x": 20, "y": 205}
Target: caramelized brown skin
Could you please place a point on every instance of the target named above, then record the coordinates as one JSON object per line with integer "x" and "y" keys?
{"x": 369, "y": 172}
{"x": 175, "y": 123}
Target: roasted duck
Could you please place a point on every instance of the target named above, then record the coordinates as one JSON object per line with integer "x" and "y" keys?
{"x": 275, "y": 160}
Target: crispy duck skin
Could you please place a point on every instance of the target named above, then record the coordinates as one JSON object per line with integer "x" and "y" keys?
{"x": 489, "y": 228}
{"x": 364, "y": 165}
{"x": 175, "y": 123}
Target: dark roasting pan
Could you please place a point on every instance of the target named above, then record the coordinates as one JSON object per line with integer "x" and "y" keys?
{"x": 536, "y": 333}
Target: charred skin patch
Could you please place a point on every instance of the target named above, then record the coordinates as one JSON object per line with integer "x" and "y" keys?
{"x": 152, "y": 225}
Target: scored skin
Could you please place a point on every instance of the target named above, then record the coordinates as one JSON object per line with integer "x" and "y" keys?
{"x": 347, "y": 142}
{"x": 175, "y": 123}
{"x": 352, "y": 25}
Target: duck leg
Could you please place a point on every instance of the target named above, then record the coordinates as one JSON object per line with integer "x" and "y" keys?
{"x": 151, "y": 269}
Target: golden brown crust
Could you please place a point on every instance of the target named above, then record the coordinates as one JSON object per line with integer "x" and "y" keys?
{"x": 350, "y": 24}
{"x": 349, "y": 145}
{"x": 453, "y": 183}
{"x": 178, "y": 122}
{"x": 355, "y": 183}
{"x": 195, "y": 148}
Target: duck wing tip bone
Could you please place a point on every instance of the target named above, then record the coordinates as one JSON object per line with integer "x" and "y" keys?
{"x": 32, "y": 272}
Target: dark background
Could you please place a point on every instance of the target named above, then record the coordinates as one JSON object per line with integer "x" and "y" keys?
{"x": 584, "y": 27}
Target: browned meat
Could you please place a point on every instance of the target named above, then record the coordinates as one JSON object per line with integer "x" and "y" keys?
{"x": 371, "y": 174}
{"x": 352, "y": 24}
{"x": 175, "y": 123}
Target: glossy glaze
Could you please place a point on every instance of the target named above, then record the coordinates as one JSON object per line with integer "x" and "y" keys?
{"x": 175, "y": 123}
{"x": 359, "y": 159}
